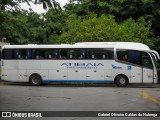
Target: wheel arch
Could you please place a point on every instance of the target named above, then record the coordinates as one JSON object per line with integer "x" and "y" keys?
{"x": 33, "y": 74}
{"x": 115, "y": 79}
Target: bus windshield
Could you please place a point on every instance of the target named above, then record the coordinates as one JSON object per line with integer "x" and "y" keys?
{"x": 155, "y": 60}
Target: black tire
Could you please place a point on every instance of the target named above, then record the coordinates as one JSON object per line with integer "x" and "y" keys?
{"x": 121, "y": 81}
{"x": 35, "y": 80}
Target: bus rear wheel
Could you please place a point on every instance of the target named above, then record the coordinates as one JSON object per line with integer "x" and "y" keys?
{"x": 121, "y": 81}
{"x": 35, "y": 80}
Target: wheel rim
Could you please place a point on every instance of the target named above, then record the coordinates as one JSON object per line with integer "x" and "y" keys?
{"x": 35, "y": 80}
{"x": 122, "y": 81}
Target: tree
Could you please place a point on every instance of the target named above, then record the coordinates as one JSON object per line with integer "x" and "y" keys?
{"x": 82, "y": 20}
{"x": 16, "y": 25}
{"x": 55, "y": 22}
{"x": 121, "y": 9}
{"x": 48, "y": 4}
{"x": 36, "y": 28}
{"x": 104, "y": 28}
{"x": 22, "y": 27}
{"x": 12, "y": 4}
{"x": 15, "y": 4}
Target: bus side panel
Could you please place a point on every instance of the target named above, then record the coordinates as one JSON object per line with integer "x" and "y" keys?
{"x": 57, "y": 75}
{"x": 56, "y": 70}
{"x": 10, "y": 75}
{"x": 9, "y": 70}
{"x": 95, "y": 75}
{"x": 108, "y": 76}
{"x": 148, "y": 76}
{"x": 136, "y": 74}
{"x": 78, "y": 70}
{"x": 77, "y": 74}
{"x": 26, "y": 68}
{"x": 120, "y": 68}
{"x": 22, "y": 75}
{"x": 29, "y": 64}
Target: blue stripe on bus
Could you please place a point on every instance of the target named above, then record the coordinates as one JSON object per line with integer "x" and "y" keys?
{"x": 78, "y": 81}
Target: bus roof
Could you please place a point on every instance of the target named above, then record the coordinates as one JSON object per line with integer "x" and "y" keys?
{"x": 118, "y": 45}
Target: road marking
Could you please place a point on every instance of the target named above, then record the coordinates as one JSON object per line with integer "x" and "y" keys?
{"x": 149, "y": 97}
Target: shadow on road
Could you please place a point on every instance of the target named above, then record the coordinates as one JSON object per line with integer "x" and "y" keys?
{"x": 81, "y": 85}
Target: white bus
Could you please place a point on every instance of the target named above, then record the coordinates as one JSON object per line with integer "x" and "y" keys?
{"x": 89, "y": 62}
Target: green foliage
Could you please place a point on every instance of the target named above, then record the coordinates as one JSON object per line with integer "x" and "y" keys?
{"x": 22, "y": 27}
{"x": 121, "y": 9}
{"x": 55, "y": 21}
{"x": 82, "y": 20}
{"x": 104, "y": 28}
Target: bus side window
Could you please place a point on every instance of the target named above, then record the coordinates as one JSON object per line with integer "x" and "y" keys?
{"x": 107, "y": 53}
{"x": 16, "y": 54}
{"x": 103, "y": 56}
{"x": 122, "y": 55}
{"x": 47, "y": 54}
{"x": 146, "y": 60}
{"x": 33, "y": 54}
{"x": 100, "y": 53}
{"x": 63, "y": 54}
{"x": 8, "y": 54}
{"x": 82, "y": 54}
{"x": 76, "y": 54}
{"x": 39, "y": 54}
{"x": 90, "y": 54}
{"x": 70, "y": 54}
{"x": 131, "y": 56}
{"x": 50, "y": 56}
{"x": 134, "y": 57}
{"x": 28, "y": 54}
{"x": 22, "y": 54}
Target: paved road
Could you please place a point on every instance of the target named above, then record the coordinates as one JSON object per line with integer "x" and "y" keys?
{"x": 21, "y": 97}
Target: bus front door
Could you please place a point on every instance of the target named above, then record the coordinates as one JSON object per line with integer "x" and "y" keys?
{"x": 147, "y": 70}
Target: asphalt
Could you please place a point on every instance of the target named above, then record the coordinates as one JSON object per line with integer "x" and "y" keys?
{"x": 80, "y": 97}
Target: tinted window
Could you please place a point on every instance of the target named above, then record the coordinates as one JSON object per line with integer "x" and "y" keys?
{"x": 30, "y": 54}
{"x": 147, "y": 62}
{"x": 134, "y": 57}
{"x": 64, "y": 53}
{"x": 45, "y": 54}
{"x": 20, "y": 54}
{"x": 100, "y": 54}
{"x": 122, "y": 55}
{"x": 71, "y": 54}
{"x": 7, "y": 54}
{"x": 131, "y": 56}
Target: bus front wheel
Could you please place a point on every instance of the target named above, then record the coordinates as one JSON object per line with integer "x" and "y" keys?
{"x": 35, "y": 80}
{"x": 121, "y": 81}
